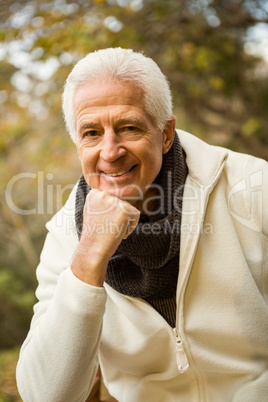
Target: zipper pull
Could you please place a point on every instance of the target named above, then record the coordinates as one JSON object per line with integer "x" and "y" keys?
{"x": 181, "y": 357}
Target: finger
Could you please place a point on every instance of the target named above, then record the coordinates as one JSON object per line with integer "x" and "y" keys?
{"x": 132, "y": 223}
{"x": 99, "y": 203}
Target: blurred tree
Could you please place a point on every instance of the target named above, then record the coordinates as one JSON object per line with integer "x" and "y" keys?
{"x": 220, "y": 93}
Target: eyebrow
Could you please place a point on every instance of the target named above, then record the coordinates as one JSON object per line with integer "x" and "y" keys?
{"x": 143, "y": 123}
{"x": 120, "y": 122}
{"x": 130, "y": 120}
{"x": 86, "y": 126}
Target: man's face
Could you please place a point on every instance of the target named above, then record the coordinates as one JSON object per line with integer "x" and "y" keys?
{"x": 119, "y": 146}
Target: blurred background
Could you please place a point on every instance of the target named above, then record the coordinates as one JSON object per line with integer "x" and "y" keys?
{"x": 215, "y": 54}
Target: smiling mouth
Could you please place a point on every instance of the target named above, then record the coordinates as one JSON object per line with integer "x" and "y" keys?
{"x": 116, "y": 174}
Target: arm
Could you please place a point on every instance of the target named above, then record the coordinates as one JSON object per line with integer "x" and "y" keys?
{"x": 107, "y": 221}
{"x": 58, "y": 360}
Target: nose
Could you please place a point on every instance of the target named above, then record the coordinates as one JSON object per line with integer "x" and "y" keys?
{"x": 111, "y": 147}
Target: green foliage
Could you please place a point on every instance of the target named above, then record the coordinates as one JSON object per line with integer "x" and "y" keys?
{"x": 8, "y": 387}
{"x": 220, "y": 93}
{"x": 16, "y": 303}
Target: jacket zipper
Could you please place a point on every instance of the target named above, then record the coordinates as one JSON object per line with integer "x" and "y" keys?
{"x": 181, "y": 357}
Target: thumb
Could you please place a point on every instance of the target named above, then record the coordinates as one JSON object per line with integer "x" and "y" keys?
{"x": 132, "y": 223}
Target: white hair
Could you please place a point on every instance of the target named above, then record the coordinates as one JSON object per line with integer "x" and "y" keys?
{"x": 123, "y": 65}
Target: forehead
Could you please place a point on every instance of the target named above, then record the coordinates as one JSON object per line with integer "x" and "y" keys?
{"x": 107, "y": 93}
{"x": 105, "y": 102}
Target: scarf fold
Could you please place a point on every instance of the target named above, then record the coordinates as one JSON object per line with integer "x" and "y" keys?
{"x": 146, "y": 264}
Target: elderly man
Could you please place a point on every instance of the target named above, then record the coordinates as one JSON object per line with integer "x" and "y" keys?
{"x": 156, "y": 268}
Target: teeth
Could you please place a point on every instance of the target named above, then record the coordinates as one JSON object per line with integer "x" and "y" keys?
{"x": 116, "y": 174}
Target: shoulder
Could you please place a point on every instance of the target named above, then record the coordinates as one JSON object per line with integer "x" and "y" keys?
{"x": 247, "y": 184}
{"x": 236, "y": 165}
{"x": 247, "y": 166}
{"x": 242, "y": 177}
{"x": 62, "y": 225}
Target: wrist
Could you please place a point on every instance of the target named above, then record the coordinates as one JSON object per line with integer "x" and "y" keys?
{"x": 90, "y": 265}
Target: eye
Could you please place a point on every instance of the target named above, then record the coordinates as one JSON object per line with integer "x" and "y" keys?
{"x": 130, "y": 128}
{"x": 90, "y": 133}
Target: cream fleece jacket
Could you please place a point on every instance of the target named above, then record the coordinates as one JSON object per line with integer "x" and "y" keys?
{"x": 218, "y": 351}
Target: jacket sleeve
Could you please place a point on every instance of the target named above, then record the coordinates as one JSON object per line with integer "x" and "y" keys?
{"x": 58, "y": 360}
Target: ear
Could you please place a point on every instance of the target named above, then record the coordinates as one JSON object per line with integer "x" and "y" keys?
{"x": 168, "y": 134}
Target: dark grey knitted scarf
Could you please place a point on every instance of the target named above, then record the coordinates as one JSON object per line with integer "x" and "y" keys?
{"x": 146, "y": 264}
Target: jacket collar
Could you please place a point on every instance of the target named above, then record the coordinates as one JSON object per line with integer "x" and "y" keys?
{"x": 205, "y": 162}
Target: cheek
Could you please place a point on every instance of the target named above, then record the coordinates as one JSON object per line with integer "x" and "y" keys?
{"x": 153, "y": 159}
{"x": 87, "y": 164}
{"x": 87, "y": 159}
{"x": 151, "y": 152}
{"x": 150, "y": 171}
{"x": 92, "y": 179}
